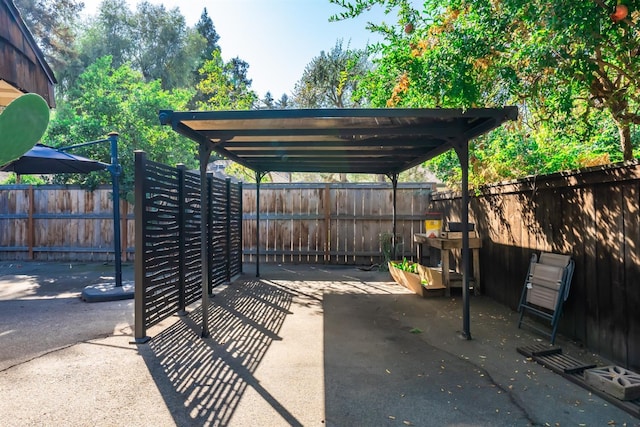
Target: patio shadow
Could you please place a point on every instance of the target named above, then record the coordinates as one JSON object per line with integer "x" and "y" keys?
{"x": 203, "y": 380}
{"x": 383, "y": 368}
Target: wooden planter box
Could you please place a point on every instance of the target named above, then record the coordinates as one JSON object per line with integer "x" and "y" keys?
{"x": 414, "y": 282}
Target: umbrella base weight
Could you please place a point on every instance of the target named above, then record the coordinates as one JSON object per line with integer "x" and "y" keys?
{"x": 102, "y": 292}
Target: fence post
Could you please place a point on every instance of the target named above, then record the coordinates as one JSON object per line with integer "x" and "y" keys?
{"x": 240, "y": 224}
{"x": 31, "y": 233}
{"x": 124, "y": 236}
{"x": 140, "y": 221}
{"x": 228, "y": 227}
{"x": 181, "y": 239}
{"x": 210, "y": 234}
{"x": 327, "y": 223}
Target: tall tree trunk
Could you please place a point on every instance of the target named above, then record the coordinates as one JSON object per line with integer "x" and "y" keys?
{"x": 625, "y": 140}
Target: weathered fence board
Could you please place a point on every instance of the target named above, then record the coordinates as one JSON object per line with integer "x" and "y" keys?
{"x": 591, "y": 215}
{"x": 60, "y": 223}
{"x": 317, "y": 223}
{"x": 338, "y": 223}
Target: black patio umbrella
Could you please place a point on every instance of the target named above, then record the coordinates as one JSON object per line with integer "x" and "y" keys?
{"x": 42, "y": 159}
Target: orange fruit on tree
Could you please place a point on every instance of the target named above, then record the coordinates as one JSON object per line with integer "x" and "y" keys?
{"x": 620, "y": 13}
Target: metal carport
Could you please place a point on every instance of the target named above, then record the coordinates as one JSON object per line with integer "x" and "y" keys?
{"x": 377, "y": 141}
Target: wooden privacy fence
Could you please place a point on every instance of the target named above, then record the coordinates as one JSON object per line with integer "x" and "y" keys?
{"x": 168, "y": 263}
{"x": 592, "y": 215}
{"x": 61, "y": 223}
{"x": 337, "y": 223}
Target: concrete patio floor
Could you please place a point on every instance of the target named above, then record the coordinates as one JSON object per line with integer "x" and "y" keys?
{"x": 302, "y": 345}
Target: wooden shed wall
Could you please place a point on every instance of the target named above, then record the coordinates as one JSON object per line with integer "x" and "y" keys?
{"x": 21, "y": 64}
{"x": 592, "y": 215}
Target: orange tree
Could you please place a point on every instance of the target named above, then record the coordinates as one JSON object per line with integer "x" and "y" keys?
{"x": 571, "y": 67}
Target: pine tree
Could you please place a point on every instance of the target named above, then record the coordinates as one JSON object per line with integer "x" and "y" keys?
{"x": 207, "y": 30}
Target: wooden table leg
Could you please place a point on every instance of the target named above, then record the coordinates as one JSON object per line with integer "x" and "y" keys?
{"x": 476, "y": 271}
{"x": 444, "y": 258}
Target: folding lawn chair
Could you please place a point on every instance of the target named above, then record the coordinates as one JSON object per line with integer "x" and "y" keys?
{"x": 546, "y": 288}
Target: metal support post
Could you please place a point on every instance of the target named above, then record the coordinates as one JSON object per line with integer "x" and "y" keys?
{"x": 394, "y": 184}
{"x": 259, "y": 176}
{"x": 115, "y": 170}
{"x": 204, "y": 151}
{"x": 462, "y": 150}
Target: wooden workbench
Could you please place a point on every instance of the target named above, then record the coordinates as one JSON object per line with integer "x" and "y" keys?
{"x": 445, "y": 246}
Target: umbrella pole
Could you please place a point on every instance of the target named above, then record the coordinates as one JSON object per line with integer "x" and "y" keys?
{"x": 114, "y": 168}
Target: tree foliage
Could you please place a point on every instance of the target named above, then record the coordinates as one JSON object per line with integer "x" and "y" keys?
{"x": 207, "y": 31}
{"x": 108, "y": 98}
{"x": 284, "y": 102}
{"x": 224, "y": 85}
{"x": 154, "y": 40}
{"x": 331, "y": 79}
{"x": 52, "y": 24}
{"x": 564, "y": 63}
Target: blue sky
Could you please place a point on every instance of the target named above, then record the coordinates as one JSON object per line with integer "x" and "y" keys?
{"x": 278, "y": 38}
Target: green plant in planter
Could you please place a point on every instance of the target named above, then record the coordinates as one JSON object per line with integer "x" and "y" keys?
{"x": 409, "y": 267}
{"x": 386, "y": 242}
{"x": 405, "y": 265}
{"x": 388, "y": 248}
